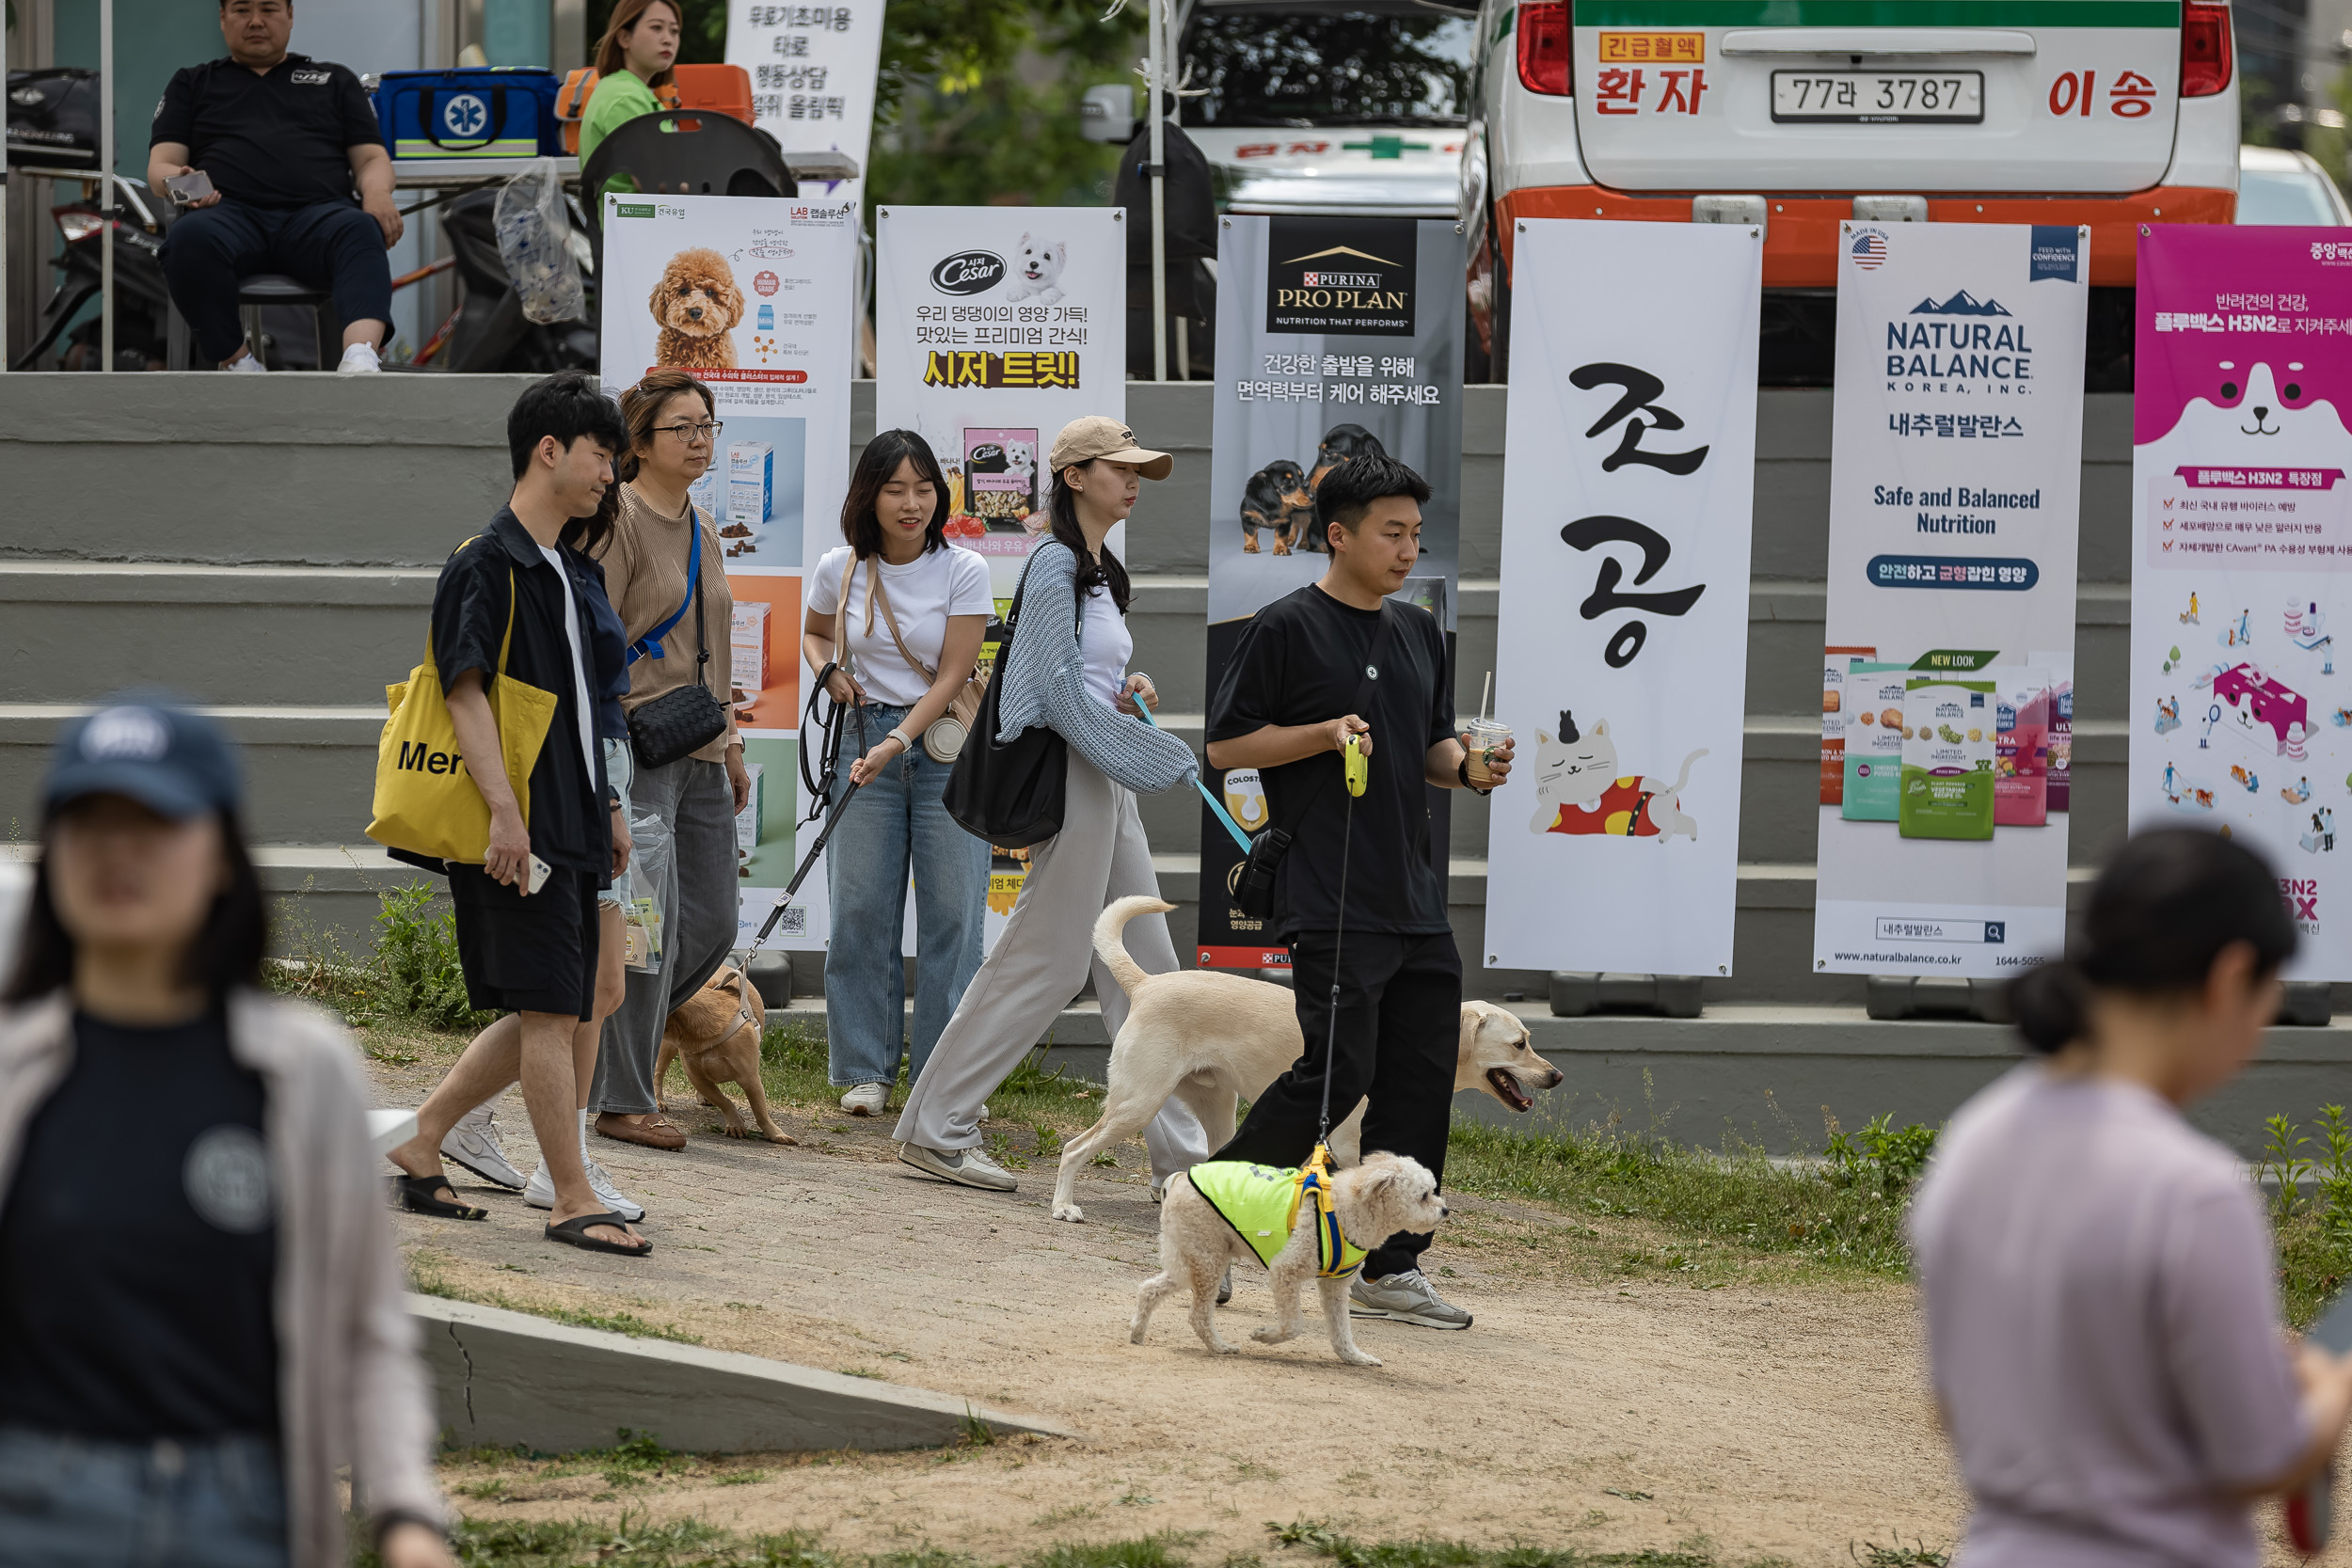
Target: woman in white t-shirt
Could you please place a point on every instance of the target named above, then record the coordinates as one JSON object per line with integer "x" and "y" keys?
{"x": 916, "y": 609}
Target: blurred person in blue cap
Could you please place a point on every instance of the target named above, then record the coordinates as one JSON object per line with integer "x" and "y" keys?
{"x": 200, "y": 1321}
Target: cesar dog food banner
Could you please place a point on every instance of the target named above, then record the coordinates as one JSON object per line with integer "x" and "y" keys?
{"x": 2242, "y": 569}
{"x": 1621, "y": 647}
{"x": 994, "y": 327}
{"x": 1336, "y": 337}
{"x": 748, "y": 295}
{"x": 1946, "y": 677}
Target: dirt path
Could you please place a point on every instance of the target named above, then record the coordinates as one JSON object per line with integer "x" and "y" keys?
{"x": 1770, "y": 1419}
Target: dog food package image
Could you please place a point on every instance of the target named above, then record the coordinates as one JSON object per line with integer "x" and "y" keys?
{"x": 747, "y": 641}
{"x": 1000, "y": 477}
{"x": 747, "y": 821}
{"x": 750, "y": 481}
{"x": 1835, "y": 665}
{"x": 706, "y": 493}
{"x": 2061, "y": 669}
{"x": 2020, "y": 751}
{"x": 1872, "y": 757}
{"x": 1947, "y": 746}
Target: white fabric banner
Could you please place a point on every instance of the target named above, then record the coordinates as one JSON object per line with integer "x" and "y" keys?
{"x": 994, "y": 327}
{"x": 749, "y": 294}
{"x": 1621, "y": 652}
{"x": 813, "y": 72}
{"x": 1954, "y": 467}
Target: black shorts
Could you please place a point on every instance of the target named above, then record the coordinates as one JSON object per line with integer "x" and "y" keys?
{"x": 527, "y": 954}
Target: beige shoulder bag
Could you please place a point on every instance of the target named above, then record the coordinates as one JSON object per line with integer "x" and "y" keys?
{"x": 945, "y": 738}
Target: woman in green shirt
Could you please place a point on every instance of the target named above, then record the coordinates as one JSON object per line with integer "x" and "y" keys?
{"x": 633, "y": 58}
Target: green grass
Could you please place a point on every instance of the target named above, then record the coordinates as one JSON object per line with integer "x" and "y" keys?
{"x": 410, "y": 977}
{"x": 426, "y": 1278}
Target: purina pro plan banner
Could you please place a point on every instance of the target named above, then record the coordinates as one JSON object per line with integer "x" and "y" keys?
{"x": 1336, "y": 337}
{"x": 1946, "y": 681}
{"x": 2240, "y": 721}
{"x": 994, "y": 327}
{"x": 1621, "y": 650}
{"x": 747, "y": 294}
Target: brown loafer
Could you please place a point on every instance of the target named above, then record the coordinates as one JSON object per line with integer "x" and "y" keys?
{"x": 654, "y": 1132}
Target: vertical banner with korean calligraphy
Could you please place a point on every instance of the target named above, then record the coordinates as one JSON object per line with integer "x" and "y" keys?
{"x": 994, "y": 327}
{"x": 813, "y": 72}
{"x": 1621, "y": 649}
{"x": 748, "y": 295}
{"x": 1335, "y": 337}
{"x": 2242, "y": 556}
{"x": 1955, "y": 469}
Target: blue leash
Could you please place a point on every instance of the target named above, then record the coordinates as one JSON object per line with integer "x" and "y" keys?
{"x": 1215, "y": 804}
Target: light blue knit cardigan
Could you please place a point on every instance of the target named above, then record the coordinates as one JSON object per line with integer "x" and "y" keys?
{"x": 1045, "y": 683}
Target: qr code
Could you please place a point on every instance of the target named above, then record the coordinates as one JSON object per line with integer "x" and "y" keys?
{"x": 794, "y": 921}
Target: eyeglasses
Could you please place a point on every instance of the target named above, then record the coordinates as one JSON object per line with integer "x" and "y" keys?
{"x": 691, "y": 433}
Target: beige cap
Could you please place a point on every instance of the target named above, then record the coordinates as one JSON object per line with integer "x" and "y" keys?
{"x": 1098, "y": 435}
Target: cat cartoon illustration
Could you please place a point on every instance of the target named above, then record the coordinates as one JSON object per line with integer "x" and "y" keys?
{"x": 1578, "y": 790}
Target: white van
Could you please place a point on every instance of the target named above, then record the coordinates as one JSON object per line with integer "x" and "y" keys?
{"x": 1800, "y": 114}
{"x": 1333, "y": 107}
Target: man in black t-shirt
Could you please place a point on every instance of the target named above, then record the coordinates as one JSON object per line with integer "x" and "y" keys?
{"x": 1288, "y": 700}
{"x": 284, "y": 139}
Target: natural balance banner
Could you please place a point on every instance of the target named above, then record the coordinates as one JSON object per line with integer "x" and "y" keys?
{"x": 1955, "y": 463}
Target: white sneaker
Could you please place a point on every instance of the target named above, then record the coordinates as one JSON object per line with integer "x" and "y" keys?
{"x": 250, "y": 365}
{"x": 358, "y": 359}
{"x": 473, "y": 1143}
{"x": 967, "y": 1167}
{"x": 866, "y": 1099}
{"x": 540, "y": 1194}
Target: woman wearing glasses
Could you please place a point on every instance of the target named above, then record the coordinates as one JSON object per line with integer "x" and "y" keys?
{"x": 691, "y": 802}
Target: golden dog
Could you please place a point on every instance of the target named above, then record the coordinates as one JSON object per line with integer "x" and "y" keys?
{"x": 715, "y": 1034}
{"x": 698, "y": 305}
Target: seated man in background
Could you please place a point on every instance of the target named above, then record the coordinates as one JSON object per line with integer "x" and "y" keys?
{"x": 284, "y": 140}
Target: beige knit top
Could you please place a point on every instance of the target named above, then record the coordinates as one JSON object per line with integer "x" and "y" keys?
{"x": 645, "y": 577}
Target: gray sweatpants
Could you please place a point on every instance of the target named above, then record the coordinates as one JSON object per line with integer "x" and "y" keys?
{"x": 1039, "y": 964}
{"x": 692, "y": 802}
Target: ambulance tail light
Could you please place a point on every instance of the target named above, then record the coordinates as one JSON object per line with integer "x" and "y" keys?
{"x": 2204, "y": 49}
{"x": 1547, "y": 42}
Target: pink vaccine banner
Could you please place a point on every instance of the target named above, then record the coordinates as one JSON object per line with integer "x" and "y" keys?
{"x": 2241, "y": 723}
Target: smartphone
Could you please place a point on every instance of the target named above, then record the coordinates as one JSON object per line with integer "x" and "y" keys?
{"x": 537, "y": 879}
{"x": 190, "y": 188}
{"x": 2311, "y": 1509}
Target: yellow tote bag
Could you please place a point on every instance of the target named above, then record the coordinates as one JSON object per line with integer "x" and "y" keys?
{"x": 426, "y": 802}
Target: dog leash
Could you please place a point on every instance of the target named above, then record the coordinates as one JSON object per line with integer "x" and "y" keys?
{"x": 1316, "y": 1175}
{"x": 808, "y": 862}
{"x": 1215, "y": 804}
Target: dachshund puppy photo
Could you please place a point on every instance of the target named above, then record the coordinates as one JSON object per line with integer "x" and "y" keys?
{"x": 698, "y": 305}
{"x": 1198, "y": 1242}
{"x": 1276, "y": 497}
{"x": 1339, "y": 443}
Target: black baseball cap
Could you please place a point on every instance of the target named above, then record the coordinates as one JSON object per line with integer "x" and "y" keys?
{"x": 152, "y": 749}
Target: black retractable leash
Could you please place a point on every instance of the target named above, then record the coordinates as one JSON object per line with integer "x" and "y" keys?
{"x": 834, "y": 733}
{"x": 1318, "y": 1166}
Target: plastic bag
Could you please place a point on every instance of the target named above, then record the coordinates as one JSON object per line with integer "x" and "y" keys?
{"x": 652, "y": 886}
{"x": 534, "y": 234}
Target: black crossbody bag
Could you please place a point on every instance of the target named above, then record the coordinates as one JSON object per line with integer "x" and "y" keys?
{"x": 682, "y": 722}
{"x": 1254, "y": 879}
{"x": 1011, "y": 792}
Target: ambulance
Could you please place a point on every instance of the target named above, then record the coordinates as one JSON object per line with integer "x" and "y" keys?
{"x": 1799, "y": 114}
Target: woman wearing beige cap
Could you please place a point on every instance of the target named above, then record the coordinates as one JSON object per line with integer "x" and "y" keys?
{"x": 1075, "y": 682}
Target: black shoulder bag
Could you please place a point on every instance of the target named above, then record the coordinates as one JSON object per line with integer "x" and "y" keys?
{"x": 678, "y": 723}
{"x": 1254, "y": 879}
{"x": 1010, "y": 792}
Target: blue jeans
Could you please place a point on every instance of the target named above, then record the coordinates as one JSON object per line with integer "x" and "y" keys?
{"x": 895, "y": 823}
{"x": 76, "y": 1502}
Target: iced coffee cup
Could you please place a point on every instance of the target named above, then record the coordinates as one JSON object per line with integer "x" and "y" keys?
{"x": 1482, "y": 738}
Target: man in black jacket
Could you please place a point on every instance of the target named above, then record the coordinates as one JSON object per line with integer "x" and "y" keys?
{"x": 284, "y": 140}
{"x": 1358, "y": 895}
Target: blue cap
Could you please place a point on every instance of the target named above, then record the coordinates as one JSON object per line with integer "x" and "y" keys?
{"x": 150, "y": 748}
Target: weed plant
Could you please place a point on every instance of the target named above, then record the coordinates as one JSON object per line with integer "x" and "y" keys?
{"x": 411, "y": 978}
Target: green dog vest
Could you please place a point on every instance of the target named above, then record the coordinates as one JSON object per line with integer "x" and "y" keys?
{"x": 1261, "y": 1205}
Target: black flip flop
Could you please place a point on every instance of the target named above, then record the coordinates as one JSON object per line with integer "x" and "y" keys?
{"x": 416, "y": 1196}
{"x": 574, "y": 1232}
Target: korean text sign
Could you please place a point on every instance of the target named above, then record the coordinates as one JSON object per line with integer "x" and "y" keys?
{"x": 813, "y": 69}
{"x": 2242, "y": 556}
{"x": 1955, "y": 465}
{"x": 1621, "y": 647}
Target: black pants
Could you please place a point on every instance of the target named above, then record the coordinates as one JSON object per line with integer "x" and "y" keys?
{"x": 334, "y": 243}
{"x": 1399, "y": 1038}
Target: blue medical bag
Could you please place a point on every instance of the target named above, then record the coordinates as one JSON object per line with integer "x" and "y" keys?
{"x": 470, "y": 112}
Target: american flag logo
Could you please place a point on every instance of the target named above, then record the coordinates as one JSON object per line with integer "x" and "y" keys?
{"x": 1869, "y": 250}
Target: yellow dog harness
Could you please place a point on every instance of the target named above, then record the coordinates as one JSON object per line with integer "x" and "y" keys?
{"x": 1261, "y": 1204}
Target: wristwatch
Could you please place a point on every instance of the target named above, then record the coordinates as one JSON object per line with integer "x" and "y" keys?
{"x": 1461, "y": 772}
